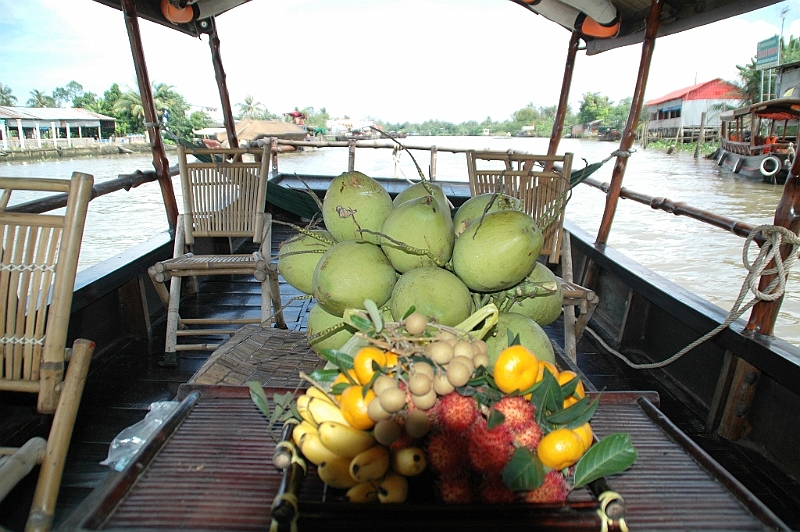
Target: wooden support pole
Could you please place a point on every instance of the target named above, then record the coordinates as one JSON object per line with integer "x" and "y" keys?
{"x": 566, "y": 83}
{"x": 702, "y": 136}
{"x": 224, "y": 95}
{"x": 648, "y": 44}
{"x": 160, "y": 161}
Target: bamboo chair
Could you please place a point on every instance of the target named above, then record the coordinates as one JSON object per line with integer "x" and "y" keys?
{"x": 39, "y": 261}
{"x": 223, "y": 196}
{"x": 542, "y": 184}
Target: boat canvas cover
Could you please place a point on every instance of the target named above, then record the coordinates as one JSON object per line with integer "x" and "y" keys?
{"x": 249, "y": 130}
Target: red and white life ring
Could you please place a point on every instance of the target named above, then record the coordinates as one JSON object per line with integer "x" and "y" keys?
{"x": 572, "y": 18}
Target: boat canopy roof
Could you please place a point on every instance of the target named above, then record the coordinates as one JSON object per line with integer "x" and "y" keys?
{"x": 631, "y": 15}
{"x": 780, "y": 109}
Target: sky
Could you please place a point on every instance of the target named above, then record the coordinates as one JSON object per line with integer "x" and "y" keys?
{"x": 415, "y": 60}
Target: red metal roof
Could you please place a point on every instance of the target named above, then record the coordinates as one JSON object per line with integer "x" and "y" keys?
{"x": 715, "y": 89}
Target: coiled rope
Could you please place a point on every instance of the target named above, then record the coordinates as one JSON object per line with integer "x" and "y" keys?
{"x": 774, "y": 238}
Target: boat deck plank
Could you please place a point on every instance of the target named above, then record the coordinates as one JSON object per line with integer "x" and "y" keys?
{"x": 122, "y": 385}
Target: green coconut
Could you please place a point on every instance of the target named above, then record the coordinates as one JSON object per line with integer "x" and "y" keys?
{"x": 299, "y": 255}
{"x": 418, "y": 190}
{"x": 544, "y": 309}
{"x": 355, "y": 201}
{"x": 433, "y": 291}
{"x": 531, "y": 335}
{"x": 320, "y": 320}
{"x": 418, "y": 223}
{"x": 497, "y": 251}
{"x": 350, "y": 272}
{"x": 473, "y": 208}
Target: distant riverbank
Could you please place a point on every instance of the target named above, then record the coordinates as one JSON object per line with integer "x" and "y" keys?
{"x": 98, "y": 150}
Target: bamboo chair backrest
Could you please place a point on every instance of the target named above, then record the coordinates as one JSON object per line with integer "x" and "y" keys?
{"x": 226, "y": 196}
{"x": 543, "y": 190}
{"x": 39, "y": 256}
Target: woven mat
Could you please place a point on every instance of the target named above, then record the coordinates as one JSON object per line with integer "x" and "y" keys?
{"x": 273, "y": 357}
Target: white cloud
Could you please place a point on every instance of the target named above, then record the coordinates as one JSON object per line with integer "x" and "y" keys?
{"x": 452, "y": 60}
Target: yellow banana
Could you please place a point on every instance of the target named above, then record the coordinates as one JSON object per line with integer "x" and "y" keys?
{"x": 300, "y": 430}
{"x": 409, "y": 461}
{"x": 302, "y": 409}
{"x": 343, "y": 440}
{"x": 319, "y": 394}
{"x": 371, "y": 464}
{"x": 323, "y": 411}
{"x": 336, "y": 473}
{"x": 393, "y": 488}
{"x": 362, "y": 492}
{"x": 314, "y": 451}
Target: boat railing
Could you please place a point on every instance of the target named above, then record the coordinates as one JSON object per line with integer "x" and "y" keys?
{"x": 352, "y": 145}
{"x": 745, "y": 148}
{"x": 121, "y": 182}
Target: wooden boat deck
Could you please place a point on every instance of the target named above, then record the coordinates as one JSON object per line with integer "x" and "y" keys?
{"x": 121, "y": 388}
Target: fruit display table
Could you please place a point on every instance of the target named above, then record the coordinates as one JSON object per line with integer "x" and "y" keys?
{"x": 209, "y": 467}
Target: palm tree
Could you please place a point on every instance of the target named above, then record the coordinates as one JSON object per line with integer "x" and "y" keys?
{"x": 40, "y": 99}
{"x": 250, "y": 108}
{"x": 6, "y": 98}
{"x": 130, "y": 103}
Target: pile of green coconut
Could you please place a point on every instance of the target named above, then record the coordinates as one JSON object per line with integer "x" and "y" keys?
{"x": 414, "y": 252}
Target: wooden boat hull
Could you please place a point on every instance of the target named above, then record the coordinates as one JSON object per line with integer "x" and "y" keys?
{"x": 769, "y": 168}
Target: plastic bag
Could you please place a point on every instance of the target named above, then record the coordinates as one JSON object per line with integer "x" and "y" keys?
{"x": 127, "y": 443}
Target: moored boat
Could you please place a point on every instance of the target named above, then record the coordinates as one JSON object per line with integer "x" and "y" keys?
{"x": 758, "y": 141}
{"x": 732, "y": 395}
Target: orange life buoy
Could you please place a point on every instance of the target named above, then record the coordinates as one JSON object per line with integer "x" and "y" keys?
{"x": 176, "y": 15}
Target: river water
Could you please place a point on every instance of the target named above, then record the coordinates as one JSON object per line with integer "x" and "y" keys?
{"x": 699, "y": 257}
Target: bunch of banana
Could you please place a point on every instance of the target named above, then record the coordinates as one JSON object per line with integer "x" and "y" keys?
{"x": 351, "y": 459}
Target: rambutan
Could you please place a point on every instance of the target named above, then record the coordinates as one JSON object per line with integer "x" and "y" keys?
{"x": 517, "y": 410}
{"x": 446, "y": 452}
{"x": 456, "y": 412}
{"x": 528, "y": 436}
{"x": 553, "y": 489}
{"x": 493, "y": 490}
{"x": 455, "y": 488}
{"x": 489, "y": 449}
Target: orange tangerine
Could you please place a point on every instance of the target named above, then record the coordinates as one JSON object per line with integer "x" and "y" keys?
{"x": 543, "y": 364}
{"x": 392, "y": 359}
{"x": 362, "y": 363}
{"x": 342, "y": 379}
{"x": 516, "y": 369}
{"x": 560, "y": 448}
{"x": 353, "y": 404}
{"x": 586, "y": 435}
{"x": 566, "y": 376}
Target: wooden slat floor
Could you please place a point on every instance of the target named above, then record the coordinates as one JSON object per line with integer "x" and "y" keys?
{"x": 120, "y": 389}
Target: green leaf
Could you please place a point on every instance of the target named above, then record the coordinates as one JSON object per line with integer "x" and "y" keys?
{"x": 340, "y": 359}
{"x": 611, "y": 455}
{"x": 283, "y": 404}
{"x": 323, "y": 376}
{"x": 568, "y": 388}
{"x": 495, "y": 418}
{"x": 575, "y": 415}
{"x": 374, "y": 314}
{"x": 361, "y": 323}
{"x": 547, "y": 398}
{"x": 339, "y": 388}
{"x": 524, "y": 471}
{"x": 259, "y": 397}
{"x": 411, "y": 310}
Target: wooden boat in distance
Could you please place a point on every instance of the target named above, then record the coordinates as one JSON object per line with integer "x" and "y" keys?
{"x": 757, "y": 140}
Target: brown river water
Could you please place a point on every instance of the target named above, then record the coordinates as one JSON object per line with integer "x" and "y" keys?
{"x": 694, "y": 255}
